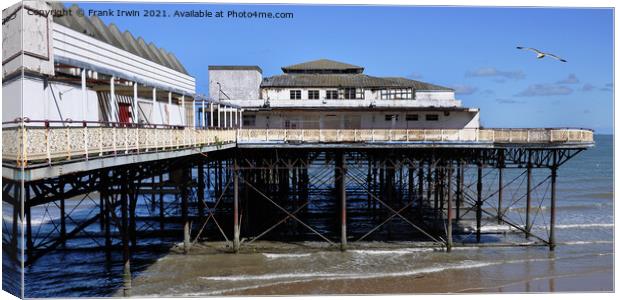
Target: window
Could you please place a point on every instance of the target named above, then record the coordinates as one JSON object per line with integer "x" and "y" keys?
{"x": 391, "y": 117}
{"x": 432, "y": 117}
{"x": 331, "y": 95}
{"x": 412, "y": 117}
{"x": 313, "y": 94}
{"x": 349, "y": 93}
{"x": 397, "y": 94}
{"x": 295, "y": 94}
{"x": 249, "y": 120}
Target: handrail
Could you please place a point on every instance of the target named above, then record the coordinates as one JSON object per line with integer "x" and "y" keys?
{"x": 27, "y": 144}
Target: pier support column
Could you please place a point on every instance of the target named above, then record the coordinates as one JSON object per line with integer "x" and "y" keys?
{"x": 554, "y": 174}
{"x": 449, "y": 229}
{"x": 125, "y": 235}
{"x": 459, "y": 189}
{"x": 420, "y": 188}
{"x": 528, "y": 197}
{"x": 341, "y": 173}
{"x": 237, "y": 229}
{"x": 29, "y": 243}
{"x": 479, "y": 203}
{"x": 15, "y": 236}
{"x": 162, "y": 208}
{"x": 410, "y": 184}
{"x": 500, "y": 193}
{"x": 185, "y": 206}
{"x": 201, "y": 190}
{"x": 63, "y": 223}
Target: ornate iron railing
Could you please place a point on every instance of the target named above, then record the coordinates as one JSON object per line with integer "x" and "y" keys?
{"x": 49, "y": 144}
{"x": 25, "y": 145}
{"x": 497, "y": 136}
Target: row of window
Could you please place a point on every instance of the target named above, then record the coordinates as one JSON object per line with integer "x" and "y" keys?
{"x": 346, "y": 93}
{"x": 413, "y": 117}
{"x": 250, "y": 120}
{"x": 396, "y": 94}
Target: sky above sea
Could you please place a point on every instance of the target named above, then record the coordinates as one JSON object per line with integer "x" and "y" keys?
{"x": 471, "y": 49}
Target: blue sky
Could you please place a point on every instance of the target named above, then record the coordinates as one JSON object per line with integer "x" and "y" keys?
{"x": 471, "y": 49}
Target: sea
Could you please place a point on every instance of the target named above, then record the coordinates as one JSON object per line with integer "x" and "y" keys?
{"x": 504, "y": 261}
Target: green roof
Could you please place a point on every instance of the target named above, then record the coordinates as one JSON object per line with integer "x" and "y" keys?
{"x": 94, "y": 27}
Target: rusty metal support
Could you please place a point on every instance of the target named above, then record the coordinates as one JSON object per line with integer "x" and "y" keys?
{"x": 125, "y": 234}
{"x": 201, "y": 190}
{"x": 162, "y": 208}
{"x": 236, "y": 226}
{"x": 420, "y": 187}
{"x": 449, "y": 229}
{"x": 459, "y": 188}
{"x": 63, "y": 216}
{"x": 479, "y": 203}
{"x": 554, "y": 174}
{"x": 500, "y": 193}
{"x": 27, "y": 211}
{"x": 185, "y": 208}
{"x": 341, "y": 174}
{"x": 528, "y": 198}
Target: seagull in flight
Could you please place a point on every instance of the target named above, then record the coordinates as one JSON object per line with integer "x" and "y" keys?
{"x": 540, "y": 54}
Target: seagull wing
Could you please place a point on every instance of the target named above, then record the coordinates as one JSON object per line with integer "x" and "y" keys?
{"x": 556, "y": 57}
{"x": 530, "y": 49}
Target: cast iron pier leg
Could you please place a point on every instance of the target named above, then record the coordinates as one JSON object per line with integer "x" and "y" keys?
{"x": 449, "y": 233}
{"x": 554, "y": 174}
{"x": 479, "y": 203}
{"x": 236, "y": 207}
{"x": 342, "y": 194}
{"x": 528, "y": 203}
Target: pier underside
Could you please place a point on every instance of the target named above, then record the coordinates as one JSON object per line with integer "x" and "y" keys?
{"x": 335, "y": 194}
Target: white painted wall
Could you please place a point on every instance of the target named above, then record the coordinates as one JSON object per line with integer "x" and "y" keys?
{"x": 57, "y": 101}
{"x": 163, "y": 112}
{"x": 364, "y": 120}
{"x": 237, "y": 84}
{"x": 27, "y": 32}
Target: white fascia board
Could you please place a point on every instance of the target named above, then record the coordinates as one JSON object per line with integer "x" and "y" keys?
{"x": 72, "y": 46}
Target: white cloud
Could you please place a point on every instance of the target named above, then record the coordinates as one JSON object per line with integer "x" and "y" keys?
{"x": 463, "y": 89}
{"x": 545, "y": 90}
{"x": 571, "y": 79}
{"x": 493, "y": 72}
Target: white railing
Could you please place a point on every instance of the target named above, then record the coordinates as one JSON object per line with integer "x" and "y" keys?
{"x": 51, "y": 144}
{"x": 62, "y": 143}
{"x": 498, "y": 136}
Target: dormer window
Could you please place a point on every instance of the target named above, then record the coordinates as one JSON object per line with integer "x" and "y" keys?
{"x": 295, "y": 94}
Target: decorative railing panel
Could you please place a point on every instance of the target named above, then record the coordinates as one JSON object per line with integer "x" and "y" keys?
{"x": 496, "y": 136}
{"x": 55, "y": 144}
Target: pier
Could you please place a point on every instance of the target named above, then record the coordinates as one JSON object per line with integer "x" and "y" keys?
{"x": 243, "y": 185}
{"x": 110, "y": 149}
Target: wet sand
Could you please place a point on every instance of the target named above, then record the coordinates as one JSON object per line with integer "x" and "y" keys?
{"x": 447, "y": 282}
{"x": 215, "y": 272}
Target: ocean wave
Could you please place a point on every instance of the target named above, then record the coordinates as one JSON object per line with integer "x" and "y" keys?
{"x": 502, "y": 228}
{"x": 306, "y": 277}
{"x": 285, "y": 255}
{"x": 586, "y": 242}
{"x": 393, "y": 251}
{"x": 593, "y": 225}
